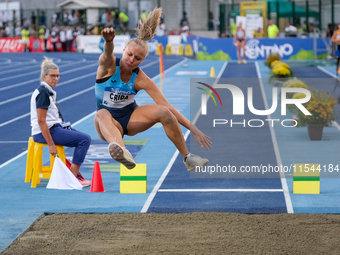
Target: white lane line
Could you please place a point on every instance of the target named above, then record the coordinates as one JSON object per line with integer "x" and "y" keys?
{"x": 25, "y": 152}
{"x": 160, "y": 181}
{"x": 172, "y": 160}
{"x": 13, "y": 141}
{"x": 220, "y": 190}
{"x": 15, "y": 98}
{"x": 13, "y": 65}
{"x": 76, "y": 94}
{"x": 12, "y": 159}
{"x": 335, "y": 124}
{"x": 38, "y": 79}
{"x": 15, "y": 69}
{"x": 328, "y": 72}
{"x": 151, "y": 63}
{"x": 275, "y": 145}
{"x": 27, "y": 114}
{"x": 62, "y": 100}
{"x": 86, "y": 117}
{"x": 63, "y": 83}
{"x": 15, "y": 119}
{"x": 60, "y": 84}
{"x": 216, "y": 80}
{"x": 171, "y": 68}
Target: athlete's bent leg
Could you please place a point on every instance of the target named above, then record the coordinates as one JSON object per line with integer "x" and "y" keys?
{"x": 108, "y": 129}
{"x": 146, "y": 116}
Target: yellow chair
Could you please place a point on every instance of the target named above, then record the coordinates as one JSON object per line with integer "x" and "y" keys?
{"x": 34, "y": 168}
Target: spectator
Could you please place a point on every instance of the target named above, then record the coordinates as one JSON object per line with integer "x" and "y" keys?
{"x": 329, "y": 31}
{"x": 4, "y": 18}
{"x": 184, "y": 32}
{"x": 46, "y": 36}
{"x": 69, "y": 37}
{"x": 26, "y": 22}
{"x": 43, "y": 18}
{"x": 232, "y": 27}
{"x": 54, "y": 39}
{"x": 65, "y": 16}
{"x": 41, "y": 32}
{"x": 79, "y": 31}
{"x": 108, "y": 17}
{"x": 9, "y": 31}
{"x": 25, "y": 38}
{"x": 211, "y": 21}
{"x": 125, "y": 22}
{"x": 89, "y": 30}
{"x": 185, "y": 20}
{"x": 143, "y": 14}
{"x": 272, "y": 29}
{"x": 62, "y": 37}
{"x": 258, "y": 33}
{"x": 290, "y": 30}
{"x": 17, "y": 31}
{"x": 33, "y": 20}
{"x": 54, "y": 19}
{"x": 116, "y": 21}
{"x": 72, "y": 18}
{"x": 336, "y": 39}
{"x": 160, "y": 31}
{"x": 104, "y": 19}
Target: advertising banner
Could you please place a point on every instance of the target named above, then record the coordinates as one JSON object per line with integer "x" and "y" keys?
{"x": 260, "y": 48}
{"x": 95, "y": 43}
{"x": 11, "y": 45}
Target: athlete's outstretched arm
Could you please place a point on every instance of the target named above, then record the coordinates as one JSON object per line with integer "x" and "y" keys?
{"x": 106, "y": 58}
{"x": 144, "y": 82}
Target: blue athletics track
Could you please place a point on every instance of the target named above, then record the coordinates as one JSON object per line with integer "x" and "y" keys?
{"x": 171, "y": 188}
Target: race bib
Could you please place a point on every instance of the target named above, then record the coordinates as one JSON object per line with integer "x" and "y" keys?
{"x": 113, "y": 96}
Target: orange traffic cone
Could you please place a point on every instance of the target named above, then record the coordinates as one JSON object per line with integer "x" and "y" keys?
{"x": 97, "y": 181}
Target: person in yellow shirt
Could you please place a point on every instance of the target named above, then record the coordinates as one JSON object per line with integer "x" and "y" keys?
{"x": 125, "y": 21}
{"x": 25, "y": 33}
{"x": 336, "y": 39}
{"x": 41, "y": 32}
{"x": 272, "y": 29}
{"x": 144, "y": 13}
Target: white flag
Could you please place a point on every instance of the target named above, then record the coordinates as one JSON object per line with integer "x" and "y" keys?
{"x": 62, "y": 177}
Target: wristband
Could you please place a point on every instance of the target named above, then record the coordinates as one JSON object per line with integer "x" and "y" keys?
{"x": 109, "y": 41}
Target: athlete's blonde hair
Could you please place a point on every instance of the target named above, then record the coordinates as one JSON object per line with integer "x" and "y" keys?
{"x": 46, "y": 66}
{"x": 147, "y": 29}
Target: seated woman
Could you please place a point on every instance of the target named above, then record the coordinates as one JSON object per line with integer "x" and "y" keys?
{"x": 118, "y": 81}
{"x": 47, "y": 123}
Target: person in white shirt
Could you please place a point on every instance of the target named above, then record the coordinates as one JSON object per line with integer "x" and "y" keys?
{"x": 290, "y": 28}
{"x": 54, "y": 39}
{"x": 69, "y": 37}
{"x": 62, "y": 37}
{"x": 160, "y": 31}
{"x": 17, "y": 31}
{"x": 8, "y": 31}
{"x": 48, "y": 125}
{"x": 4, "y": 18}
{"x": 184, "y": 32}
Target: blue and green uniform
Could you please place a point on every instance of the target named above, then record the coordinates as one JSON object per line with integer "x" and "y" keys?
{"x": 117, "y": 96}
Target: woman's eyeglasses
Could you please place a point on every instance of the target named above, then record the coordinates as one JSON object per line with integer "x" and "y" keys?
{"x": 55, "y": 76}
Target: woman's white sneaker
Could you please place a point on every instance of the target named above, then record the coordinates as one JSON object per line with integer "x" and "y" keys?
{"x": 121, "y": 155}
{"x": 193, "y": 161}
